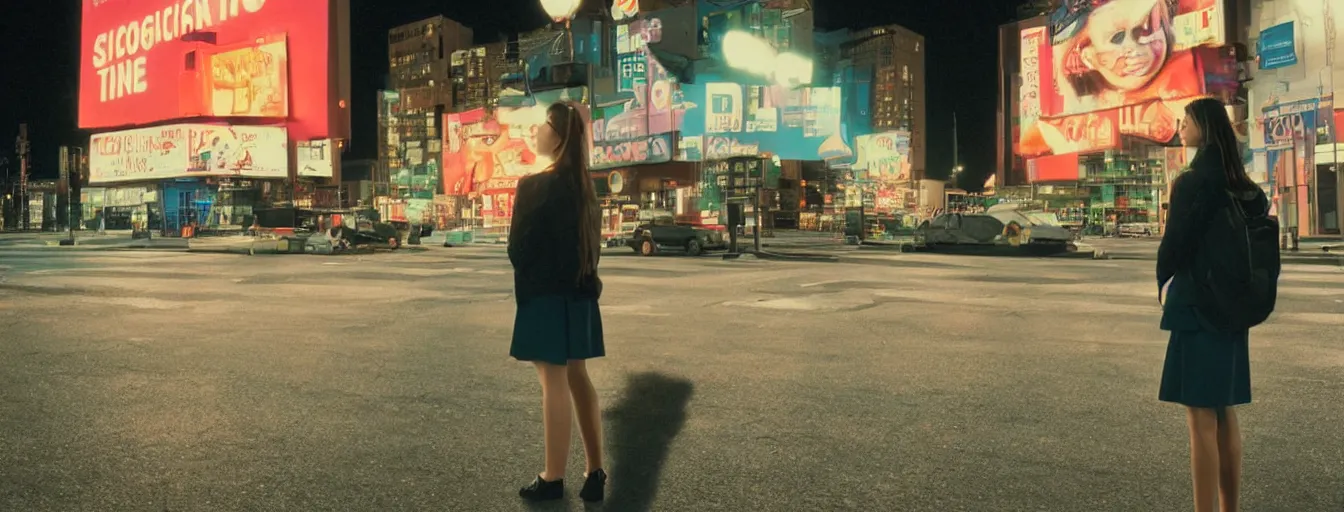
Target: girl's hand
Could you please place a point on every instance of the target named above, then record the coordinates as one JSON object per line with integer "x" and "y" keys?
{"x": 1162, "y": 293}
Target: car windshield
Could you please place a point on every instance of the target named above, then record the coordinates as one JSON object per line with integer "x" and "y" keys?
{"x": 1044, "y": 218}
{"x": 1007, "y": 216}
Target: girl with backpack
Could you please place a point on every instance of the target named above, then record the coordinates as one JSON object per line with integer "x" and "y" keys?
{"x": 1214, "y": 280}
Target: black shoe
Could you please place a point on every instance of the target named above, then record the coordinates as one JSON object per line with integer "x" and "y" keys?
{"x": 541, "y": 490}
{"x": 594, "y": 486}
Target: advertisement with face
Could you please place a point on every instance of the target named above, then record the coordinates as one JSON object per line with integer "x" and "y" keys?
{"x": 1107, "y": 68}
{"x": 484, "y": 155}
{"x": 1111, "y": 53}
{"x": 146, "y": 61}
{"x": 188, "y": 150}
{"x": 249, "y": 81}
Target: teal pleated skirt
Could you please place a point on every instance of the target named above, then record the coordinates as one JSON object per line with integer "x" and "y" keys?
{"x": 557, "y": 329}
{"x": 1207, "y": 369}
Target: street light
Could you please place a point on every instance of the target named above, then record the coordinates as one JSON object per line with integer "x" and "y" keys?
{"x": 563, "y": 11}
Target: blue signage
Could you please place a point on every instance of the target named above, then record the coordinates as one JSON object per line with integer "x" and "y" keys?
{"x": 1277, "y": 47}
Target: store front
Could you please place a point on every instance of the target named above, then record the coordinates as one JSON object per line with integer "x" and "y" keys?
{"x": 622, "y": 193}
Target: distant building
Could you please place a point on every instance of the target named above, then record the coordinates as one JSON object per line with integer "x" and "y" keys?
{"x": 895, "y": 55}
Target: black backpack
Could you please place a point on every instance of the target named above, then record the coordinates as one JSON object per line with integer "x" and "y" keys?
{"x": 1236, "y": 270}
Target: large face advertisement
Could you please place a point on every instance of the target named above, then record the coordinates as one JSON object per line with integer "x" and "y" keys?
{"x": 725, "y": 120}
{"x": 188, "y": 150}
{"x": 1107, "y": 68}
{"x": 145, "y": 61}
{"x": 486, "y": 154}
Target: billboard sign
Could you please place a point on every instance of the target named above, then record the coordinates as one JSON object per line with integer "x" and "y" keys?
{"x": 1108, "y": 68}
{"x": 485, "y": 154}
{"x": 886, "y": 156}
{"x": 249, "y": 81}
{"x": 188, "y": 150}
{"x": 148, "y": 61}
{"x": 1111, "y": 53}
{"x": 314, "y": 158}
{"x": 793, "y": 124}
{"x": 1277, "y": 47}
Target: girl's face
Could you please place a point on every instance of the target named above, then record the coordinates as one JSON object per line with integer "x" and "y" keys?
{"x": 548, "y": 141}
{"x": 1191, "y": 135}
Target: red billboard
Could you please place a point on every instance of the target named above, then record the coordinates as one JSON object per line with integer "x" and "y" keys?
{"x": 1133, "y": 63}
{"x": 146, "y": 61}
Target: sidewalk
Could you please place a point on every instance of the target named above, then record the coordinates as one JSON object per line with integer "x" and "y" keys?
{"x": 87, "y": 240}
{"x": 1309, "y": 252}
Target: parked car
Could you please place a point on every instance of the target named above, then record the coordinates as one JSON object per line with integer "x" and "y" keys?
{"x": 368, "y": 231}
{"x": 1002, "y": 227}
{"x": 659, "y": 230}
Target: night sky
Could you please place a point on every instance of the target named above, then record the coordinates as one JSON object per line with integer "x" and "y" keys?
{"x": 39, "y": 75}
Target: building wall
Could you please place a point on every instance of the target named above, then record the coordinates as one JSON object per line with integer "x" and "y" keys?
{"x": 1010, "y": 169}
{"x": 1315, "y": 76}
{"x": 419, "y": 53}
{"x": 896, "y": 55}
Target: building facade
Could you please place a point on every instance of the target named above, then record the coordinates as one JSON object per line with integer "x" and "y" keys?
{"x": 1095, "y": 144}
{"x": 1294, "y": 116}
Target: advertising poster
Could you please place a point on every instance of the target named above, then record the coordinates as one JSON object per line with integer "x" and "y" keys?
{"x": 1111, "y": 53}
{"x": 251, "y": 81}
{"x": 886, "y": 156}
{"x": 188, "y": 150}
{"x": 134, "y": 65}
{"x": 1117, "y": 67}
{"x": 637, "y": 129}
{"x": 485, "y": 155}
{"x": 314, "y": 158}
{"x": 806, "y": 121}
{"x": 1034, "y": 46}
{"x": 1277, "y": 47}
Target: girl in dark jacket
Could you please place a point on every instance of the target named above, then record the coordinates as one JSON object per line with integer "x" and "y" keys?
{"x": 1206, "y": 370}
{"x": 554, "y": 249}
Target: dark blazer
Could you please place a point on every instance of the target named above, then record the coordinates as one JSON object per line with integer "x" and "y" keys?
{"x": 1196, "y": 196}
{"x": 544, "y": 241}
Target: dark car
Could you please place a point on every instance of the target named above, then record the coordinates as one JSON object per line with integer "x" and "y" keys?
{"x": 368, "y": 231}
{"x": 659, "y": 230}
{"x": 998, "y": 228}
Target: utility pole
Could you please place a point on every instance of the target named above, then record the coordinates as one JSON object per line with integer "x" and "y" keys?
{"x": 22, "y": 148}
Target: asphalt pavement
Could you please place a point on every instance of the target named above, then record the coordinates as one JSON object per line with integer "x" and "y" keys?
{"x": 887, "y": 381}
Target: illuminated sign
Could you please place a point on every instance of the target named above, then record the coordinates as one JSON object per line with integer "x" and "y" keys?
{"x": 147, "y": 61}
{"x": 250, "y": 81}
{"x": 652, "y": 149}
{"x": 314, "y": 158}
{"x": 188, "y": 150}
{"x": 886, "y": 156}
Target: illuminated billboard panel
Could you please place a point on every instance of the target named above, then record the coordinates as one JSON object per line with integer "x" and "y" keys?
{"x": 249, "y": 81}
{"x": 315, "y": 158}
{"x": 485, "y": 154}
{"x": 188, "y": 150}
{"x": 147, "y": 61}
{"x": 725, "y": 119}
{"x": 1106, "y": 68}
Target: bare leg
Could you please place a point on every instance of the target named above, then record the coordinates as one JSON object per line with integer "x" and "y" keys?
{"x": 555, "y": 419}
{"x": 589, "y": 413}
{"x": 1204, "y": 456}
{"x": 1229, "y": 462}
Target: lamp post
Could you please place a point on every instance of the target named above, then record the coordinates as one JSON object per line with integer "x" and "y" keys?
{"x": 563, "y": 11}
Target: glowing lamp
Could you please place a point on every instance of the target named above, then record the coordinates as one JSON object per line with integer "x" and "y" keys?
{"x": 560, "y": 10}
{"x": 748, "y": 53}
{"x": 792, "y": 69}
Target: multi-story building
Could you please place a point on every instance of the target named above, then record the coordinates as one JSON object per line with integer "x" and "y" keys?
{"x": 896, "y": 56}
{"x": 1295, "y": 118}
{"x": 420, "y": 57}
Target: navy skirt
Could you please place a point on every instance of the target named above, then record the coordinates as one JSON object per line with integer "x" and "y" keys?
{"x": 1207, "y": 369}
{"x": 557, "y": 329}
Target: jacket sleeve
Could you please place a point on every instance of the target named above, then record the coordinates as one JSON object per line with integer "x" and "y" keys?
{"x": 1192, "y": 206}
{"x": 527, "y": 203}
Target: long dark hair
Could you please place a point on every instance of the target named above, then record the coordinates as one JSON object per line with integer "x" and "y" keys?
{"x": 571, "y": 166}
{"x": 1220, "y": 140}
